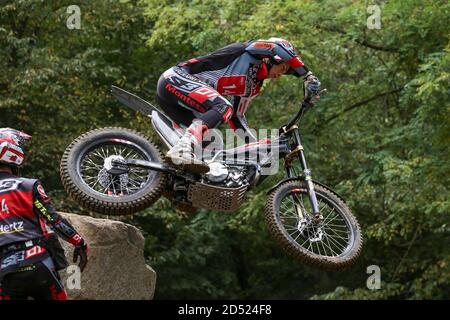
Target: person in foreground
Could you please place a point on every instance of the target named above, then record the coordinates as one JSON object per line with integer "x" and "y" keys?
{"x": 30, "y": 253}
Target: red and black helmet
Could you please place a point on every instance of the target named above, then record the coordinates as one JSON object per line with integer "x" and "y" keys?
{"x": 13, "y": 145}
{"x": 289, "y": 47}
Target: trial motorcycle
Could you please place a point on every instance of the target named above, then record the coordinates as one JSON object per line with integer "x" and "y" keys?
{"x": 118, "y": 171}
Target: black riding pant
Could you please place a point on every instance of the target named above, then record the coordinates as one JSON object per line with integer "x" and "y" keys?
{"x": 184, "y": 98}
{"x": 39, "y": 281}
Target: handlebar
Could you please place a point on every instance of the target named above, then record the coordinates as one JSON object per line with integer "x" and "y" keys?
{"x": 307, "y": 103}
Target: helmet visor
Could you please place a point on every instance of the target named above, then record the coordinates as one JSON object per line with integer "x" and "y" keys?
{"x": 18, "y": 137}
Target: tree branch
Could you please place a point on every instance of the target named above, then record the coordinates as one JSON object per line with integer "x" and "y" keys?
{"x": 361, "y": 103}
{"x": 365, "y": 43}
{"x": 406, "y": 253}
{"x": 19, "y": 29}
{"x": 362, "y": 42}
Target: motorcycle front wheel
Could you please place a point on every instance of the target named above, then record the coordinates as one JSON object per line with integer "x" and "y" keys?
{"x": 333, "y": 243}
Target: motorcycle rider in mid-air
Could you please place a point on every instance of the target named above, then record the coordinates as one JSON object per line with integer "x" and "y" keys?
{"x": 30, "y": 254}
{"x": 192, "y": 92}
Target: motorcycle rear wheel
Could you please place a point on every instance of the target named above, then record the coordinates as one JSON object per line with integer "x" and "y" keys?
{"x": 85, "y": 177}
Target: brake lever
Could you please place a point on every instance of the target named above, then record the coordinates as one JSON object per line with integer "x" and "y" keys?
{"x": 307, "y": 103}
{"x": 310, "y": 101}
{"x": 321, "y": 92}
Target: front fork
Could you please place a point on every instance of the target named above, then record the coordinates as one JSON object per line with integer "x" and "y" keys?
{"x": 299, "y": 153}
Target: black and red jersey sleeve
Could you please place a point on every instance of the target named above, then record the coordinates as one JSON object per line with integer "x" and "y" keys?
{"x": 238, "y": 122}
{"x": 45, "y": 210}
{"x": 215, "y": 60}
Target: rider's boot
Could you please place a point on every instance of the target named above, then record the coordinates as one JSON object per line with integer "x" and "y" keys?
{"x": 182, "y": 154}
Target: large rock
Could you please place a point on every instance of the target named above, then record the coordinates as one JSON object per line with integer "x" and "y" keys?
{"x": 116, "y": 268}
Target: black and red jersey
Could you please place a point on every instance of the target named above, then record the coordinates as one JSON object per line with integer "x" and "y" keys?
{"x": 238, "y": 70}
{"x": 26, "y": 215}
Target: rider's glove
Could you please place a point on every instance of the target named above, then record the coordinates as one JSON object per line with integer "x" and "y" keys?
{"x": 311, "y": 85}
{"x": 81, "y": 251}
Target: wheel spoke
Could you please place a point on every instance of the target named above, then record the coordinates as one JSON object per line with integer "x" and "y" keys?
{"x": 337, "y": 227}
{"x": 334, "y": 227}
{"x": 93, "y": 174}
{"x": 336, "y": 235}
{"x": 336, "y": 243}
{"x": 299, "y": 234}
{"x": 337, "y": 238}
{"x": 329, "y": 246}
{"x": 128, "y": 154}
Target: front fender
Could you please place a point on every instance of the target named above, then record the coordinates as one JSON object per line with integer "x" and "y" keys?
{"x": 302, "y": 179}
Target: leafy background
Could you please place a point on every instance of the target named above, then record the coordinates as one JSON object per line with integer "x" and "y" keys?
{"x": 380, "y": 137}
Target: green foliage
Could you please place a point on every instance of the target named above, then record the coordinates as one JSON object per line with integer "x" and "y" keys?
{"x": 380, "y": 137}
{"x": 54, "y": 82}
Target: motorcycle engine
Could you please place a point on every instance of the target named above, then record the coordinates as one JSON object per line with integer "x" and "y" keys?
{"x": 227, "y": 176}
